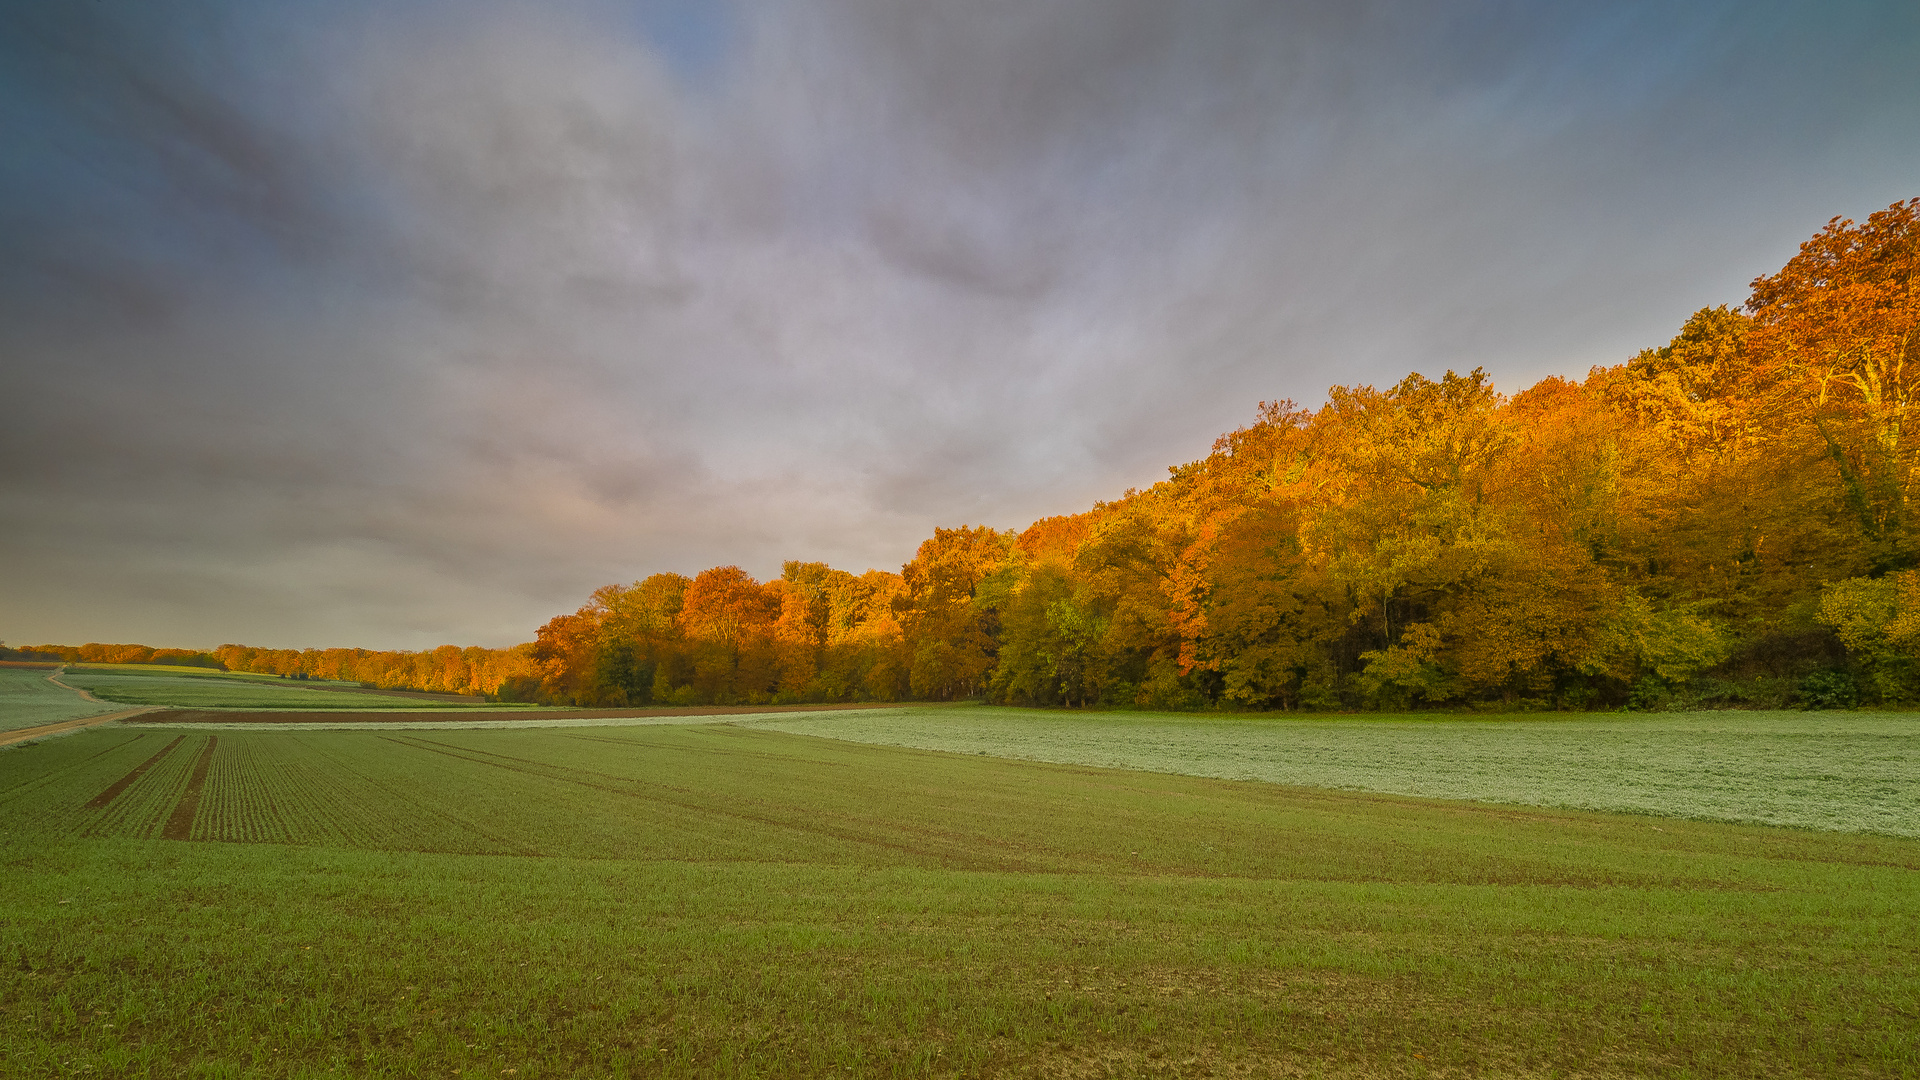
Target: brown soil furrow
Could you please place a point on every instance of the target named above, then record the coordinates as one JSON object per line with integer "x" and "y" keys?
{"x": 399, "y": 695}
{"x": 180, "y": 824}
{"x": 323, "y": 716}
{"x": 114, "y": 789}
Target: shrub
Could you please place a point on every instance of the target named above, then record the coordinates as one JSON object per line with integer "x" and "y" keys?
{"x": 1828, "y": 690}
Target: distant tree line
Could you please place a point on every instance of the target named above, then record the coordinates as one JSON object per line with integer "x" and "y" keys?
{"x": 96, "y": 653}
{"x": 31, "y": 656}
{"x": 448, "y": 669}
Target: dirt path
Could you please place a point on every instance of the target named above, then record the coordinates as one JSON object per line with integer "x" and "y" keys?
{"x": 55, "y": 680}
{"x": 8, "y": 738}
{"x": 417, "y": 695}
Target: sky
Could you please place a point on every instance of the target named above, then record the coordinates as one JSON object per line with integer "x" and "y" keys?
{"x": 393, "y": 325}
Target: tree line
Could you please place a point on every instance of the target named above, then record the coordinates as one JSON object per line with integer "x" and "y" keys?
{"x": 96, "y": 653}
{"x": 1724, "y": 519}
{"x": 1721, "y": 520}
{"x": 448, "y": 669}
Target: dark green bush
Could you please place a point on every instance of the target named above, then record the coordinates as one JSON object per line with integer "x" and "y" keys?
{"x": 1828, "y": 690}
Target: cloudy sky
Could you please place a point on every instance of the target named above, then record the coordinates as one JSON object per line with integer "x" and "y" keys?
{"x": 400, "y": 324}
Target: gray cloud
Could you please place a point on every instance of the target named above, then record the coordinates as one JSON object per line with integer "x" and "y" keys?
{"x": 391, "y": 328}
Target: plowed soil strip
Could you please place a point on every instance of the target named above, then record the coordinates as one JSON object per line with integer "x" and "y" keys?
{"x": 323, "y": 716}
{"x": 180, "y": 825}
{"x": 114, "y": 789}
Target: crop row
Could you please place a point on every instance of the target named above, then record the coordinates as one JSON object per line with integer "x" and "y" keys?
{"x": 44, "y": 788}
{"x": 140, "y": 803}
{"x": 352, "y": 791}
{"x": 641, "y": 794}
{"x": 260, "y": 793}
{"x": 723, "y": 793}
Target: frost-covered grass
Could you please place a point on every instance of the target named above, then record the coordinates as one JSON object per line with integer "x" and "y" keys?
{"x": 208, "y": 689}
{"x": 27, "y": 700}
{"x": 1856, "y": 772}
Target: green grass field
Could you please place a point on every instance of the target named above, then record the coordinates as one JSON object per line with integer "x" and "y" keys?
{"x": 1851, "y": 771}
{"x": 203, "y": 688}
{"x": 194, "y": 671}
{"x": 728, "y": 900}
{"x": 27, "y": 700}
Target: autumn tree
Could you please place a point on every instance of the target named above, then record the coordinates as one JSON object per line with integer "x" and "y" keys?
{"x": 1275, "y": 622}
{"x": 950, "y": 631}
{"x": 1836, "y": 328}
{"x": 727, "y": 618}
